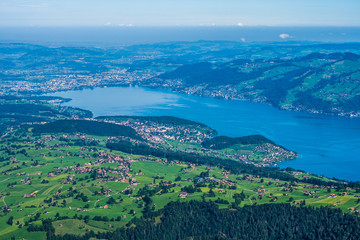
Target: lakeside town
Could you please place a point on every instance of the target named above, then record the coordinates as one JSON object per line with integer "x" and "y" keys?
{"x": 239, "y": 77}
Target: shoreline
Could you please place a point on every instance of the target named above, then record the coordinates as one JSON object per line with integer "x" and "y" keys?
{"x": 138, "y": 84}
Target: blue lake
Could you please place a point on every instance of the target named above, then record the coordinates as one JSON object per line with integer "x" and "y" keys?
{"x": 327, "y": 145}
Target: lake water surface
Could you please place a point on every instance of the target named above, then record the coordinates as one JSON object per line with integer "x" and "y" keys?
{"x": 327, "y": 145}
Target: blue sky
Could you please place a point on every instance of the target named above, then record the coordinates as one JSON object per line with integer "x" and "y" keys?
{"x": 179, "y": 13}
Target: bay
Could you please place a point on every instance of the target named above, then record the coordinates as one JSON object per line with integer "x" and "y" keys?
{"x": 327, "y": 145}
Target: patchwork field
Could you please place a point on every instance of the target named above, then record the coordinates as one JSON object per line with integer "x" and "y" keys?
{"x": 92, "y": 188}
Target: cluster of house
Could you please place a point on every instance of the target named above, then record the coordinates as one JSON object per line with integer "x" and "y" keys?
{"x": 128, "y": 189}
{"x": 275, "y": 153}
{"x": 235, "y": 155}
{"x": 55, "y": 173}
{"x": 132, "y": 182}
{"x": 32, "y": 195}
{"x": 62, "y": 79}
{"x": 156, "y": 132}
{"x": 333, "y": 195}
{"x": 261, "y": 191}
{"x": 183, "y": 194}
{"x": 14, "y": 160}
{"x": 26, "y": 180}
{"x": 311, "y": 193}
{"x": 353, "y": 210}
{"x": 119, "y": 174}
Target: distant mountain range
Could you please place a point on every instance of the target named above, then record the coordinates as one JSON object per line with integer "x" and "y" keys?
{"x": 320, "y": 83}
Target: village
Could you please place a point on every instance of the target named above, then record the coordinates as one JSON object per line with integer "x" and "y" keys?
{"x": 60, "y": 81}
{"x": 50, "y": 175}
{"x": 73, "y": 175}
{"x": 158, "y": 132}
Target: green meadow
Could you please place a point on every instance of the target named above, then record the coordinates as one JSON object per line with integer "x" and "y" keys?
{"x": 79, "y": 202}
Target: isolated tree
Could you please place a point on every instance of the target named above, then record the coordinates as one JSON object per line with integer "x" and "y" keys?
{"x": 10, "y": 221}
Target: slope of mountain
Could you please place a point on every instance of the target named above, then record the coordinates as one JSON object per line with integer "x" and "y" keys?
{"x": 319, "y": 83}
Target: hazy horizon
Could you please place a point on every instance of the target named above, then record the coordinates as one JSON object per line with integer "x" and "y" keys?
{"x": 146, "y": 35}
{"x": 122, "y": 22}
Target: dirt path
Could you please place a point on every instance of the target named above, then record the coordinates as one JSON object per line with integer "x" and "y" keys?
{"x": 5, "y": 180}
{"x": 3, "y": 199}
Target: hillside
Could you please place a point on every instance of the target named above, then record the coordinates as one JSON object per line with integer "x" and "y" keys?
{"x": 116, "y": 177}
{"x": 161, "y": 121}
{"x": 282, "y": 74}
{"x": 221, "y": 142}
{"x": 61, "y": 185}
{"x": 156, "y": 135}
{"x": 195, "y": 220}
{"x": 16, "y": 111}
{"x": 85, "y": 127}
{"x": 178, "y": 138}
{"x": 65, "y": 175}
{"x": 319, "y": 83}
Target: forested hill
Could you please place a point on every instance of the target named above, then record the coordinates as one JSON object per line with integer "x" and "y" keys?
{"x": 203, "y": 220}
{"x": 15, "y": 111}
{"x": 161, "y": 120}
{"x": 221, "y": 142}
{"x": 87, "y": 127}
{"x": 322, "y": 83}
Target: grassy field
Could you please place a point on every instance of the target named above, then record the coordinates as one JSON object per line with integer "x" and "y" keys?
{"x": 74, "y": 226}
{"x": 45, "y": 178}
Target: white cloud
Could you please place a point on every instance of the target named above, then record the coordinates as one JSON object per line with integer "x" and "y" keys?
{"x": 243, "y": 39}
{"x": 240, "y": 24}
{"x": 107, "y": 24}
{"x": 125, "y": 25}
{"x": 285, "y": 36}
